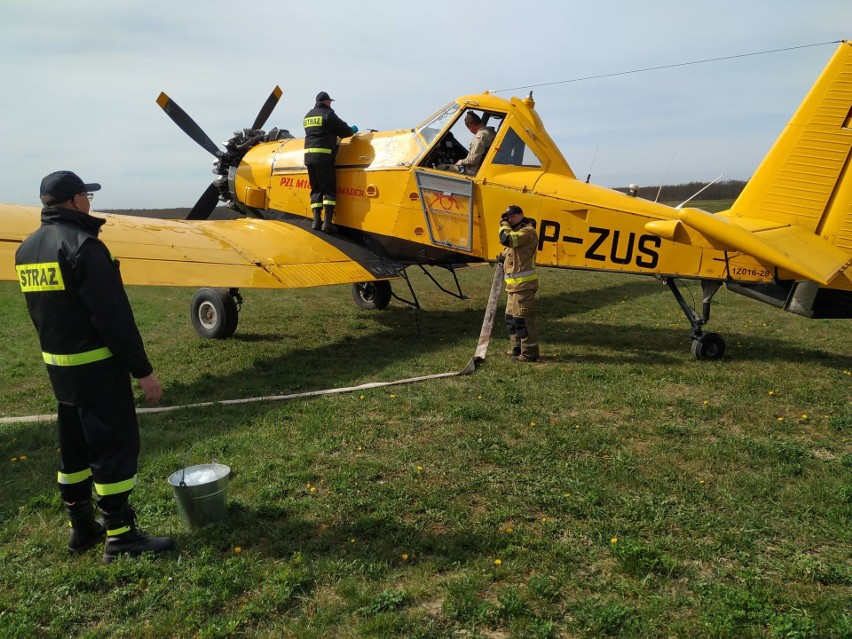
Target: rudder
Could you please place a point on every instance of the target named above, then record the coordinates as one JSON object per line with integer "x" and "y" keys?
{"x": 806, "y": 178}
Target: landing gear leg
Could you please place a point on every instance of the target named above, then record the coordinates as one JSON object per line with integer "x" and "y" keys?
{"x": 704, "y": 345}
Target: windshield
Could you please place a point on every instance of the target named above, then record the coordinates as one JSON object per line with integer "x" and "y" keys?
{"x": 432, "y": 127}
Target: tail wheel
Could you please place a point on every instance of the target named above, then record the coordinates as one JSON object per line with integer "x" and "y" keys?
{"x": 372, "y": 295}
{"x": 708, "y": 346}
{"x": 214, "y": 313}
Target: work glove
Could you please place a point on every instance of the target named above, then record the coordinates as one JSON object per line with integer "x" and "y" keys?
{"x": 501, "y": 258}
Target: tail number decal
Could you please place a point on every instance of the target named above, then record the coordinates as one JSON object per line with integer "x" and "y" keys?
{"x": 609, "y": 244}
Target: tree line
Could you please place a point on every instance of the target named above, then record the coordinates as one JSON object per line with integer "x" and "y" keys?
{"x": 722, "y": 190}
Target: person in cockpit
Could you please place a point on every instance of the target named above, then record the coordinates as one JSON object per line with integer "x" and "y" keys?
{"x": 483, "y": 138}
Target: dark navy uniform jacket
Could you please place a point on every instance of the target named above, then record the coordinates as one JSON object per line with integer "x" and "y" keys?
{"x": 322, "y": 128}
{"x": 78, "y": 305}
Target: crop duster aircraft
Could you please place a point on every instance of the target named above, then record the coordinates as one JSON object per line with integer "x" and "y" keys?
{"x": 786, "y": 241}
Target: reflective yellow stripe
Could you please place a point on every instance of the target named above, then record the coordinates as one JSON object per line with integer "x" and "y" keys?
{"x": 46, "y": 276}
{"x": 514, "y": 237}
{"x": 318, "y": 150}
{"x": 114, "y": 489}
{"x": 115, "y": 532}
{"x": 314, "y": 120}
{"x": 73, "y": 478}
{"x": 327, "y": 202}
{"x": 76, "y": 359}
{"x": 521, "y": 279}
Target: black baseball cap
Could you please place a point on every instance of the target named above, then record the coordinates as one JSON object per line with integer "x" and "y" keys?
{"x": 322, "y": 96}
{"x": 513, "y": 209}
{"x": 61, "y": 186}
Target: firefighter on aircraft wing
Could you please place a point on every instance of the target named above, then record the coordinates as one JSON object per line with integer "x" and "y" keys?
{"x": 322, "y": 128}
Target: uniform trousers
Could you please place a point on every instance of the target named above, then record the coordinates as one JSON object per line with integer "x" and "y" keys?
{"x": 99, "y": 443}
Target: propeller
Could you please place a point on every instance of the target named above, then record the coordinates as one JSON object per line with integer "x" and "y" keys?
{"x": 187, "y": 124}
{"x": 267, "y": 108}
{"x": 206, "y": 203}
{"x": 235, "y": 148}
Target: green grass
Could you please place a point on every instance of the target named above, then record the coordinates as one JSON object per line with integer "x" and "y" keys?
{"x": 617, "y": 488}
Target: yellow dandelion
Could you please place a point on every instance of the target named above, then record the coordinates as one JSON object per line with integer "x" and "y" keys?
{"x": 706, "y": 401}
{"x": 532, "y": 423}
{"x": 404, "y": 556}
{"x": 237, "y": 549}
{"x": 780, "y": 419}
{"x": 352, "y": 541}
{"x": 360, "y": 397}
{"x": 313, "y": 489}
{"x": 614, "y": 540}
{"x": 479, "y": 397}
{"x": 419, "y": 468}
{"x": 700, "y": 481}
{"x": 509, "y": 530}
{"x": 804, "y": 416}
{"x": 566, "y": 494}
{"x": 359, "y": 448}
{"x": 498, "y": 562}
{"x": 772, "y": 392}
{"x": 392, "y": 396}
{"x": 14, "y": 459}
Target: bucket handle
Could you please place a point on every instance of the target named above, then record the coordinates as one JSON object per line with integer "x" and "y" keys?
{"x": 182, "y": 483}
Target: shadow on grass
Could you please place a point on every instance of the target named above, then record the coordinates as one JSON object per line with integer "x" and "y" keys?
{"x": 277, "y": 533}
{"x": 395, "y": 336}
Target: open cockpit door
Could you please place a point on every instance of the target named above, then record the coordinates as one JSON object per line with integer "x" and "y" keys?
{"x": 448, "y": 209}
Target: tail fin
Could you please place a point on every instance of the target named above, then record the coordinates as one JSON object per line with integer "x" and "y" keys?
{"x": 806, "y": 179}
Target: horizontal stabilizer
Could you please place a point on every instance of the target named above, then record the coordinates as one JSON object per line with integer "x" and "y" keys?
{"x": 790, "y": 248}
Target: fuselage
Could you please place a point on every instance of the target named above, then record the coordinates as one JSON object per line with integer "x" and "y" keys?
{"x": 392, "y": 196}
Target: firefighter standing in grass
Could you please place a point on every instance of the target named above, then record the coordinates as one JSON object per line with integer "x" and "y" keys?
{"x": 517, "y": 234}
{"x": 322, "y": 128}
{"x": 91, "y": 347}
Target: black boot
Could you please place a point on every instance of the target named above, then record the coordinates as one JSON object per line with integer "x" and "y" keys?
{"x": 123, "y": 538}
{"x": 85, "y": 529}
{"x": 327, "y": 226}
{"x": 317, "y": 223}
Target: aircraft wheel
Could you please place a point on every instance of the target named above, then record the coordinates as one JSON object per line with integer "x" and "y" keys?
{"x": 214, "y": 313}
{"x": 708, "y": 346}
{"x": 372, "y": 295}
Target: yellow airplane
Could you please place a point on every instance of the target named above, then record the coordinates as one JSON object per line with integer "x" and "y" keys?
{"x": 786, "y": 241}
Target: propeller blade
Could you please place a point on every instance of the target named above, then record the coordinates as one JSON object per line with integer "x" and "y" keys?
{"x": 267, "y": 108}
{"x": 187, "y": 124}
{"x": 206, "y": 203}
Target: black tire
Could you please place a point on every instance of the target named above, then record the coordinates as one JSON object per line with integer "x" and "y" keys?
{"x": 372, "y": 295}
{"x": 708, "y": 346}
{"x": 214, "y": 313}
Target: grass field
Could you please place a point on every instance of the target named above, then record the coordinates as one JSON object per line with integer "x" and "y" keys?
{"x": 616, "y": 488}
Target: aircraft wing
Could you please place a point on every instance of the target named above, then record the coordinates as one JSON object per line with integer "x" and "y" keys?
{"x": 243, "y": 253}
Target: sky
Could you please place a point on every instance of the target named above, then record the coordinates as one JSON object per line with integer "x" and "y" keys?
{"x": 81, "y": 78}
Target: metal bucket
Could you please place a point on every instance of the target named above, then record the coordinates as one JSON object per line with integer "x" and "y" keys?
{"x": 200, "y": 493}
